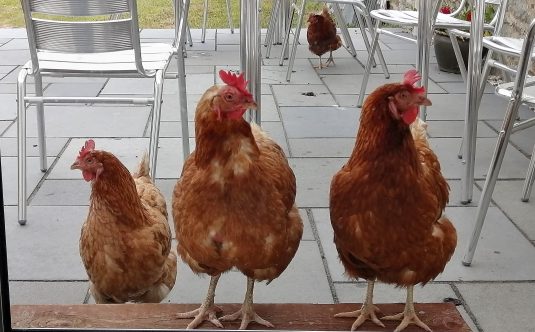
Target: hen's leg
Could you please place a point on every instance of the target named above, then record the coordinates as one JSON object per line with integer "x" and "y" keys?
{"x": 320, "y": 65}
{"x": 408, "y": 315}
{"x": 367, "y": 311}
{"x": 207, "y": 311}
{"x": 247, "y": 312}
{"x": 330, "y": 60}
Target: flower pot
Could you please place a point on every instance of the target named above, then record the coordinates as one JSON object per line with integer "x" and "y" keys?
{"x": 446, "y": 56}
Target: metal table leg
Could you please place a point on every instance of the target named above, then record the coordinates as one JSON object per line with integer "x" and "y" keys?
{"x": 424, "y": 28}
{"x": 250, "y": 56}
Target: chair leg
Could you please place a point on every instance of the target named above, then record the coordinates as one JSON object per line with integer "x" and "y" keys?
{"x": 368, "y": 68}
{"x": 204, "y": 19}
{"x": 373, "y": 32}
{"x": 530, "y": 177}
{"x": 41, "y": 132}
{"x": 458, "y": 55}
{"x": 492, "y": 176}
{"x": 21, "y": 145}
{"x": 155, "y": 125}
{"x": 183, "y": 106}
{"x": 229, "y": 17}
{"x": 362, "y": 28}
{"x": 271, "y": 27}
{"x": 344, "y": 30}
{"x": 295, "y": 42}
{"x": 286, "y": 40}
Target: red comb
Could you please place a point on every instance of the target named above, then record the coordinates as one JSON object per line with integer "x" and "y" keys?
{"x": 410, "y": 78}
{"x": 88, "y": 147}
{"x": 237, "y": 81}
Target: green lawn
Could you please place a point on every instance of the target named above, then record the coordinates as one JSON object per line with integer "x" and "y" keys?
{"x": 158, "y": 13}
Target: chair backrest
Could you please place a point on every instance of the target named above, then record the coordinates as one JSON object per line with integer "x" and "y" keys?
{"x": 82, "y": 26}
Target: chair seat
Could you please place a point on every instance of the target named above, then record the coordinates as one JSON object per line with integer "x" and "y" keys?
{"x": 528, "y": 95}
{"x": 410, "y": 18}
{"x": 155, "y": 57}
{"x": 510, "y": 46}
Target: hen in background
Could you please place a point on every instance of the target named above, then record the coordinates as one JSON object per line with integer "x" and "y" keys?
{"x": 321, "y": 35}
{"x": 125, "y": 243}
{"x": 234, "y": 204}
{"x": 387, "y": 203}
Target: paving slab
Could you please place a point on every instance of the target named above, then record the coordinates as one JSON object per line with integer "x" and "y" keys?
{"x": 504, "y": 306}
{"x": 303, "y": 95}
{"x": 87, "y": 121}
{"x": 308, "y": 122}
{"x": 304, "y": 273}
{"x": 9, "y": 106}
{"x": 523, "y": 140}
{"x": 54, "y": 256}
{"x": 14, "y": 57}
{"x": 73, "y": 90}
{"x": 321, "y": 147}
{"x": 16, "y": 44}
{"x": 23, "y": 292}
{"x": 451, "y": 128}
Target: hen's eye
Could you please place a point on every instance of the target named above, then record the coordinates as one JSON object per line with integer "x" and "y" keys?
{"x": 89, "y": 160}
{"x": 229, "y": 97}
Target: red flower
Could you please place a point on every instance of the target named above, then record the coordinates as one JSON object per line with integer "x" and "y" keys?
{"x": 469, "y": 16}
{"x": 445, "y": 10}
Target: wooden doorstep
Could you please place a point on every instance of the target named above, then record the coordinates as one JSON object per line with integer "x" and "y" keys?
{"x": 305, "y": 317}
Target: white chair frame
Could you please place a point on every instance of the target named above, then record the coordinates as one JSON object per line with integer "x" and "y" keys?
{"x": 60, "y": 47}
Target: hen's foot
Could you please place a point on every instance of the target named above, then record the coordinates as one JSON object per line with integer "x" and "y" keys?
{"x": 363, "y": 314}
{"x": 247, "y": 315}
{"x": 406, "y": 320}
{"x": 329, "y": 61}
{"x": 201, "y": 314}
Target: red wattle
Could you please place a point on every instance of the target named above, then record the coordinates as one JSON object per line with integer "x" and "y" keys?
{"x": 410, "y": 115}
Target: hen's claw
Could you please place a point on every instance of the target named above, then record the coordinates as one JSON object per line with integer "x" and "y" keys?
{"x": 247, "y": 317}
{"x": 201, "y": 314}
{"x": 407, "y": 319}
{"x": 363, "y": 314}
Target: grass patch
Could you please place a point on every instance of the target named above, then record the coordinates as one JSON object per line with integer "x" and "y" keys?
{"x": 159, "y": 13}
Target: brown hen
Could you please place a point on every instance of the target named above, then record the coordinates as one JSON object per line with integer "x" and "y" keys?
{"x": 125, "y": 243}
{"x": 387, "y": 202}
{"x": 321, "y": 35}
{"x": 234, "y": 205}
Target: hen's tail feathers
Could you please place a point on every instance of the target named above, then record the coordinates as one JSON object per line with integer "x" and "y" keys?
{"x": 419, "y": 130}
{"x": 160, "y": 291}
{"x": 143, "y": 167}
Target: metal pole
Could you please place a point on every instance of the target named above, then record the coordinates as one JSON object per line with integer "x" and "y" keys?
{"x": 5, "y": 312}
{"x": 250, "y": 56}
{"x": 472, "y": 91}
{"x": 423, "y": 46}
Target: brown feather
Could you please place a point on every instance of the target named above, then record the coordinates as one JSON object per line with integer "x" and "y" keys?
{"x": 387, "y": 202}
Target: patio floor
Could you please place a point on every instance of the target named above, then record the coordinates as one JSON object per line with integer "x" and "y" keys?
{"x": 317, "y": 132}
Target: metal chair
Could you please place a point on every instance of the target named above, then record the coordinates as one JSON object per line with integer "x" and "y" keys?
{"x": 205, "y": 19}
{"x": 410, "y": 19}
{"x": 92, "y": 46}
{"x": 359, "y": 8}
{"x": 521, "y": 91}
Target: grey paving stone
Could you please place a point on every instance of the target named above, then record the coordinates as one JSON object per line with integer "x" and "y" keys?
{"x": 204, "y": 58}
{"x": 138, "y": 86}
{"x": 21, "y": 292}
{"x": 63, "y": 192}
{"x": 275, "y": 130}
{"x": 174, "y": 129}
{"x": 321, "y": 147}
{"x": 303, "y": 274}
{"x": 503, "y": 253}
{"x": 73, "y": 90}
{"x": 460, "y": 87}
{"x": 83, "y": 121}
{"x": 54, "y": 249}
{"x": 14, "y": 57}
{"x": 298, "y": 95}
{"x": 350, "y": 84}
{"x": 456, "y": 193}
{"x": 12, "y": 88}
{"x": 8, "y": 145}
{"x": 507, "y": 196}
{"x": 456, "y": 128}
{"x": 9, "y": 106}
{"x": 522, "y": 140}
{"x": 13, "y": 33}
{"x": 6, "y": 69}
{"x": 16, "y": 44}
{"x": 514, "y": 165}
{"x": 489, "y": 309}
{"x": 10, "y": 173}
{"x": 277, "y": 75}
{"x": 4, "y": 125}
{"x": 307, "y": 122}
{"x": 269, "y": 109}
{"x": 314, "y": 179}
{"x": 350, "y": 66}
